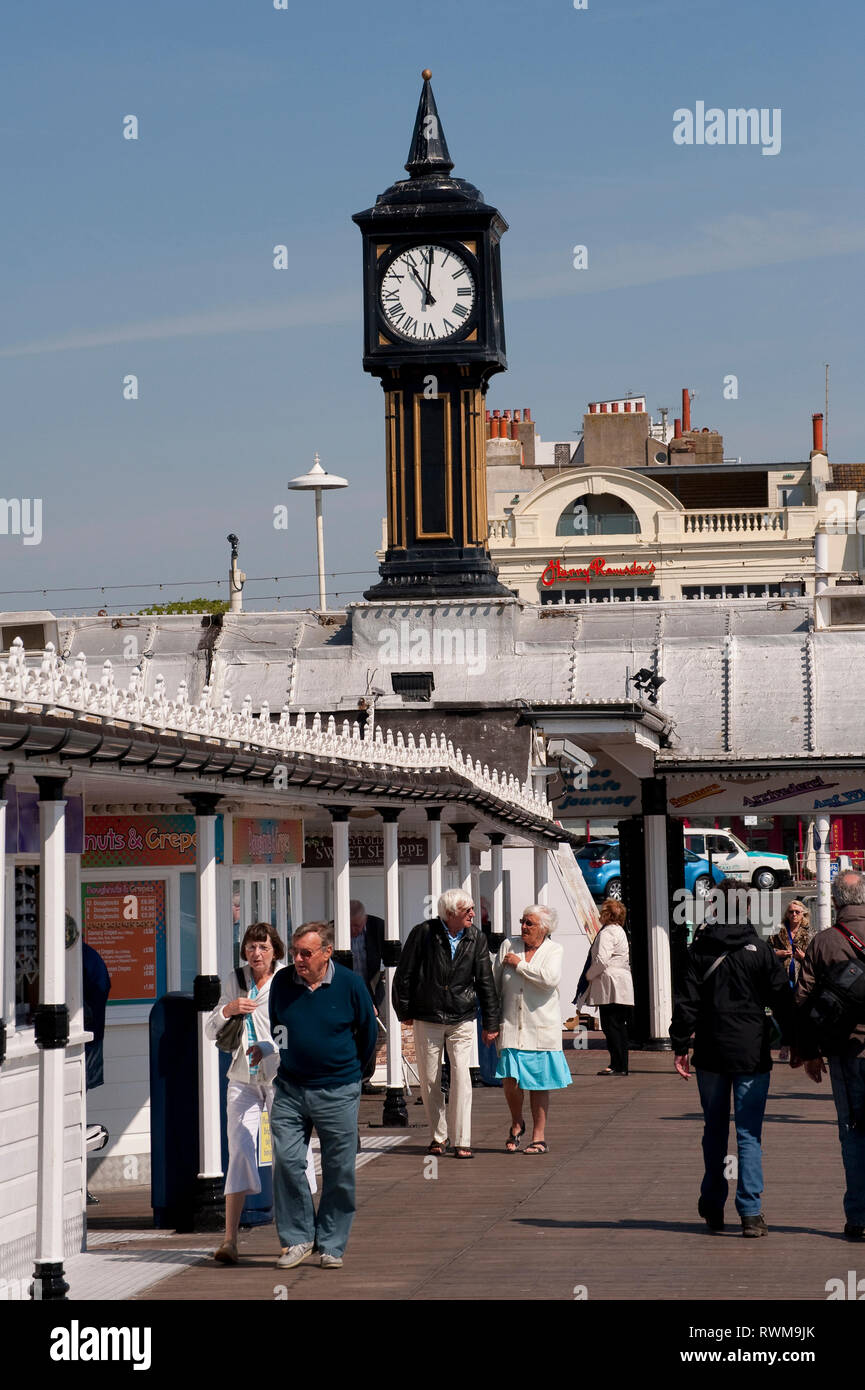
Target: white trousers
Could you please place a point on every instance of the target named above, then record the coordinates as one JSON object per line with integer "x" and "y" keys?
{"x": 244, "y": 1104}
{"x": 430, "y": 1040}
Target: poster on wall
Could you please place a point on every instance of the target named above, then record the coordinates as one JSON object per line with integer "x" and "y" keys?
{"x": 262, "y": 841}
{"x": 125, "y": 923}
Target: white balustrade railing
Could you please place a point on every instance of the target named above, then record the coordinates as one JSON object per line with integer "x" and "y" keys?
{"x": 732, "y": 521}
{"x": 67, "y": 686}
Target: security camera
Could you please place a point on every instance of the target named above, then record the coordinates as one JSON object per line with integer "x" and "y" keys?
{"x": 569, "y": 752}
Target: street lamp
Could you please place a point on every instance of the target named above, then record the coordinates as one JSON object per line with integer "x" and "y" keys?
{"x": 317, "y": 479}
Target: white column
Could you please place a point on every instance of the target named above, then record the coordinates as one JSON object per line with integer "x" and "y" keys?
{"x": 434, "y": 840}
{"x": 497, "y": 906}
{"x": 209, "y": 1126}
{"x": 52, "y": 1034}
{"x": 341, "y": 885}
{"x": 464, "y": 855}
{"x": 391, "y": 933}
{"x": 542, "y": 871}
{"x": 822, "y": 829}
{"x": 475, "y": 891}
{"x": 657, "y": 907}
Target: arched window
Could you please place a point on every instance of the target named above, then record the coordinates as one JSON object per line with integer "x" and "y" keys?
{"x": 597, "y": 514}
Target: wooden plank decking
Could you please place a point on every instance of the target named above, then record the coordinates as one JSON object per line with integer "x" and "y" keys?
{"x": 611, "y": 1207}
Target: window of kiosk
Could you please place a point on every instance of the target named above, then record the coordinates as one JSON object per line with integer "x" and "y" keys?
{"x": 265, "y": 897}
{"x": 188, "y": 931}
{"x": 26, "y": 900}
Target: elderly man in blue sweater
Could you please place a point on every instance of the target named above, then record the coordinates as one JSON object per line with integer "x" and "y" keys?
{"x": 324, "y": 1025}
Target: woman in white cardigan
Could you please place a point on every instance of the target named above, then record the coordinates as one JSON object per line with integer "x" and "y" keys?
{"x": 610, "y": 985}
{"x": 530, "y": 1040}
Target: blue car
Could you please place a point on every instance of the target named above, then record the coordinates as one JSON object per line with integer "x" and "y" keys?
{"x": 599, "y": 865}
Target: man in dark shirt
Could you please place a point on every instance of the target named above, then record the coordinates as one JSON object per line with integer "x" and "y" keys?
{"x": 367, "y": 939}
{"x": 838, "y": 945}
{"x": 324, "y": 1025}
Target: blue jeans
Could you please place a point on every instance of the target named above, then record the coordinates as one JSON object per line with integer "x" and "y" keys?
{"x": 332, "y": 1112}
{"x": 847, "y": 1075}
{"x": 750, "y": 1090}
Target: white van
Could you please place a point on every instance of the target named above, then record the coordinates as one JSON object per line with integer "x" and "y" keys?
{"x": 737, "y": 861}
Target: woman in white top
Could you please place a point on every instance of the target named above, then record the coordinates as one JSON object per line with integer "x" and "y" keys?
{"x": 611, "y": 987}
{"x": 250, "y": 1088}
{"x": 527, "y": 976}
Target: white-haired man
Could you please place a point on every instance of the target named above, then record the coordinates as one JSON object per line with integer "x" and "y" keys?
{"x": 444, "y": 973}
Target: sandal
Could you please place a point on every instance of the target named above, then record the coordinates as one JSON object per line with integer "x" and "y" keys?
{"x": 436, "y": 1148}
{"x": 463, "y": 1153}
{"x": 537, "y": 1146}
{"x": 512, "y": 1143}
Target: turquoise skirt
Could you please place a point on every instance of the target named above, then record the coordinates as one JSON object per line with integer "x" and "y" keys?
{"x": 534, "y": 1071}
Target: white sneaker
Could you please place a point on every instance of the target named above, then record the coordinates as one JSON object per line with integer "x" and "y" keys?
{"x": 294, "y": 1255}
{"x": 331, "y": 1261}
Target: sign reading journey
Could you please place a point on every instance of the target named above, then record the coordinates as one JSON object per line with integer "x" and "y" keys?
{"x": 364, "y": 851}
{"x": 125, "y": 923}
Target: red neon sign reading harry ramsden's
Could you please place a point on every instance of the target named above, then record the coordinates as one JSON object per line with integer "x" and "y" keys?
{"x": 556, "y": 573}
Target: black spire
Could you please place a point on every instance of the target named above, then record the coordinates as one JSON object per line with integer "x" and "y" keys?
{"x": 429, "y": 150}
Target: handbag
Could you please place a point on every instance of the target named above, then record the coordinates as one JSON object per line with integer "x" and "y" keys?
{"x": 229, "y": 1036}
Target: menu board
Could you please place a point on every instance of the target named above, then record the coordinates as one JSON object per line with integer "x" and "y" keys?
{"x": 125, "y": 923}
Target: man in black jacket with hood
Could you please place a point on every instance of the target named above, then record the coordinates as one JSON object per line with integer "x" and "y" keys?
{"x": 730, "y": 978}
{"x": 444, "y": 972}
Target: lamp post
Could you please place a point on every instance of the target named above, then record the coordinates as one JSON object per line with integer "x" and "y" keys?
{"x": 317, "y": 479}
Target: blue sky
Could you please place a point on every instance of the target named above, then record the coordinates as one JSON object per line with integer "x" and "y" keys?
{"x": 259, "y": 127}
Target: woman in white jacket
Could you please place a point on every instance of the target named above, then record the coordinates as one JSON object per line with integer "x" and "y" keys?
{"x": 611, "y": 987}
{"x": 250, "y": 1088}
{"x": 531, "y": 1057}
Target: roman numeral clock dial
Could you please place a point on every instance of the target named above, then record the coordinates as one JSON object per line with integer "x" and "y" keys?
{"x": 427, "y": 294}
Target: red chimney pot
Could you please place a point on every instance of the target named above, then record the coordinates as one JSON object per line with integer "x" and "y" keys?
{"x": 817, "y": 430}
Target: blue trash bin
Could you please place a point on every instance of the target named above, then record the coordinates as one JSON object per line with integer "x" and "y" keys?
{"x": 174, "y": 1120}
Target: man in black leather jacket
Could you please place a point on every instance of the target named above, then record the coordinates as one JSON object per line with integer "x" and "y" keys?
{"x": 443, "y": 974}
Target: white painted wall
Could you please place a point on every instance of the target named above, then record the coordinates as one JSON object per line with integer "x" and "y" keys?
{"x": 19, "y": 1119}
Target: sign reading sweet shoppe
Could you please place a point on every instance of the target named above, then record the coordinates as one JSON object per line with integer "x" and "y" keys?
{"x": 364, "y": 851}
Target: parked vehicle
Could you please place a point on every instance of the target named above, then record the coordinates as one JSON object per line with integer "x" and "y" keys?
{"x": 750, "y": 866}
{"x": 599, "y": 864}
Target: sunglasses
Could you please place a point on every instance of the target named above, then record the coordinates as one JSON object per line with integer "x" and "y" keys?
{"x": 305, "y": 955}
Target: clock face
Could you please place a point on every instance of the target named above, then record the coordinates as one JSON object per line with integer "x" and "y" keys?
{"x": 427, "y": 294}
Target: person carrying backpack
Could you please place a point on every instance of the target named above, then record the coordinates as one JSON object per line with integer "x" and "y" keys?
{"x": 830, "y": 1023}
{"x": 731, "y": 978}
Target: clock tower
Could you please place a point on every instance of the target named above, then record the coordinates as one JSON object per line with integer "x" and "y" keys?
{"x": 434, "y": 335}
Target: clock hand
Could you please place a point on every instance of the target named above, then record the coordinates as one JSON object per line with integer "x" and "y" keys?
{"x": 428, "y": 299}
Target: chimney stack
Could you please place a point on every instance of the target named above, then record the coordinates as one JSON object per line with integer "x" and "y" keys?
{"x": 686, "y": 410}
{"x": 817, "y": 430}
{"x": 677, "y": 428}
